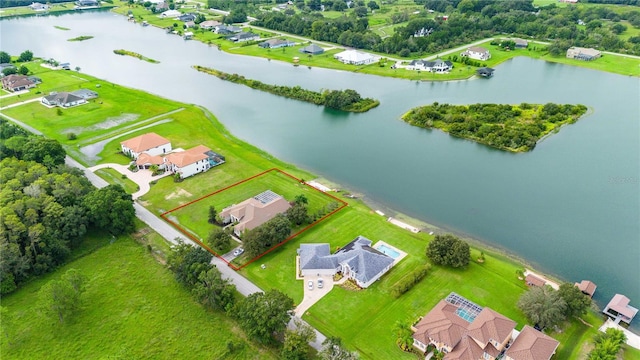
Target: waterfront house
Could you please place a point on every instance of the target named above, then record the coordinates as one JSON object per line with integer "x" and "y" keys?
{"x": 436, "y": 66}
{"x": 354, "y": 57}
{"x": 478, "y": 53}
{"x": 585, "y": 54}
{"x": 36, "y": 6}
{"x": 187, "y": 17}
{"x": 209, "y": 24}
{"x": 187, "y": 35}
{"x": 521, "y": 43}
{"x": 244, "y": 36}
{"x": 226, "y": 29}
{"x": 87, "y": 3}
{"x": 276, "y": 43}
{"x": 254, "y": 211}
{"x": 587, "y": 287}
{"x": 15, "y": 82}
{"x": 312, "y": 49}
{"x": 193, "y": 161}
{"x": 63, "y": 99}
{"x": 485, "y": 72}
{"x": 620, "y": 310}
{"x": 533, "y": 280}
{"x": 85, "y": 94}
{"x": 150, "y": 143}
{"x": 462, "y": 329}
{"x": 171, "y": 14}
{"x": 357, "y": 260}
{"x": 531, "y": 344}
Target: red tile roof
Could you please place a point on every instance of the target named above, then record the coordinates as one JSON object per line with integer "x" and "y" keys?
{"x": 145, "y": 142}
{"x": 534, "y": 280}
{"x": 531, "y": 344}
{"x": 188, "y": 157}
{"x": 587, "y": 287}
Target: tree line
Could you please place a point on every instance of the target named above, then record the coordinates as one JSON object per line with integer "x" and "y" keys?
{"x": 46, "y": 207}
{"x": 468, "y": 21}
{"x": 345, "y": 100}
{"x": 506, "y": 127}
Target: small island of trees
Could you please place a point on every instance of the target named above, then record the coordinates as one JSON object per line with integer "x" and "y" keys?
{"x": 345, "y": 100}
{"x": 514, "y": 128}
{"x": 135, "y": 55}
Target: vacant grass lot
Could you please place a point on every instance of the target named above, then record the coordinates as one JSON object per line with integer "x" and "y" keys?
{"x": 194, "y": 216}
{"x": 133, "y": 309}
{"x": 363, "y": 319}
{"x": 114, "y": 177}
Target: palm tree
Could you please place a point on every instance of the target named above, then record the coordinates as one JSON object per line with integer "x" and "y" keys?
{"x": 404, "y": 335}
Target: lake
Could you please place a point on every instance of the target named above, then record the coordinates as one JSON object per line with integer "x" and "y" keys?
{"x": 571, "y": 206}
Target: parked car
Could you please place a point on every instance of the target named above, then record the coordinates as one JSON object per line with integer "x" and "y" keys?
{"x": 238, "y": 252}
{"x": 320, "y": 283}
{"x": 310, "y": 284}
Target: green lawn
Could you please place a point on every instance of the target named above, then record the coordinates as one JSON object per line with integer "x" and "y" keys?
{"x": 359, "y": 316}
{"x": 53, "y": 9}
{"x": 133, "y": 309}
{"x": 114, "y": 177}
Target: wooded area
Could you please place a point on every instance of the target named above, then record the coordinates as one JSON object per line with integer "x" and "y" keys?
{"x": 507, "y": 127}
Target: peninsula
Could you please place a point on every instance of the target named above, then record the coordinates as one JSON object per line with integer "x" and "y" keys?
{"x": 515, "y": 128}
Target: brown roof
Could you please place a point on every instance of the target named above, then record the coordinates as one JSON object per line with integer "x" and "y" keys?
{"x": 531, "y": 344}
{"x": 14, "y": 81}
{"x": 145, "y": 142}
{"x": 587, "y": 287}
{"x": 467, "y": 349}
{"x": 620, "y": 303}
{"x": 145, "y": 158}
{"x": 188, "y": 157}
{"x": 490, "y": 325}
{"x": 534, "y": 280}
{"x": 253, "y": 213}
{"x": 442, "y": 325}
{"x": 478, "y": 49}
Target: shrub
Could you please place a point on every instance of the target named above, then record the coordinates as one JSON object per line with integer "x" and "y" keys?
{"x": 72, "y": 136}
{"x": 408, "y": 282}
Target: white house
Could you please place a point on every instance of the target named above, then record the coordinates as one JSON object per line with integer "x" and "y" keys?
{"x": 150, "y": 143}
{"x": 355, "y": 57}
{"x": 437, "y": 66}
{"x": 36, "y": 6}
{"x": 170, "y": 14}
{"x": 190, "y": 162}
{"x": 478, "y": 53}
{"x": 63, "y": 99}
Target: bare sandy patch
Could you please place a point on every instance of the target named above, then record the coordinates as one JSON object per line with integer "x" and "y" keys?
{"x": 180, "y": 192}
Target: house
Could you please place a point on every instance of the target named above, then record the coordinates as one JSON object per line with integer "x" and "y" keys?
{"x": 64, "y": 66}
{"x": 193, "y": 161}
{"x": 85, "y": 94}
{"x": 276, "y": 43}
{"x": 478, "y": 53}
{"x": 187, "y": 35}
{"x": 36, "y": 80}
{"x": 423, "y": 32}
{"x": 619, "y": 309}
{"x": 254, "y": 211}
{"x": 531, "y": 344}
{"x": 357, "y": 260}
{"x": 533, "y": 280}
{"x": 63, "y": 99}
{"x": 189, "y": 24}
{"x": 355, "y": 57}
{"x": 226, "y": 29}
{"x": 312, "y": 49}
{"x": 150, "y": 143}
{"x": 587, "y": 287}
{"x": 437, "y": 66}
{"x": 521, "y": 43}
{"x": 244, "y": 36}
{"x": 145, "y": 161}
{"x": 162, "y": 6}
{"x": 209, "y": 24}
{"x": 585, "y": 54}
{"x": 15, "y": 82}
{"x": 464, "y": 330}
{"x": 86, "y": 3}
{"x": 485, "y": 72}
{"x": 187, "y": 17}
{"x": 36, "y": 6}
{"x": 170, "y": 14}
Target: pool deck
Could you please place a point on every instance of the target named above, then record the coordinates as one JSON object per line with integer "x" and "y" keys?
{"x": 396, "y": 260}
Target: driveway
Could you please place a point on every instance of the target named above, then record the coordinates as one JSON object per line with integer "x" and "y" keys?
{"x": 314, "y": 295}
{"x": 142, "y": 177}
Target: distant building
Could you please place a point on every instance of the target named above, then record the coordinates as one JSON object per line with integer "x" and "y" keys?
{"x": 478, "y": 53}
{"x": 244, "y": 36}
{"x": 423, "y": 32}
{"x": 15, "y": 82}
{"x": 312, "y": 49}
{"x": 587, "y": 287}
{"x": 354, "y": 57}
{"x": 87, "y": 3}
{"x": 436, "y": 66}
{"x": 187, "y": 35}
{"x": 585, "y": 54}
{"x": 533, "y": 280}
{"x": 209, "y": 24}
{"x": 620, "y": 310}
{"x": 276, "y": 43}
{"x": 36, "y": 6}
{"x": 226, "y": 29}
{"x": 485, "y": 72}
{"x": 171, "y": 14}
{"x": 521, "y": 43}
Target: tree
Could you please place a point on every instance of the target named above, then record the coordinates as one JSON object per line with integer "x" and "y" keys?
{"x": 297, "y": 214}
{"x": 213, "y": 215}
{"x": 618, "y": 29}
{"x": 62, "y": 298}
{"x": 5, "y": 58}
{"x": 45, "y": 151}
{"x": 261, "y": 315}
{"x": 188, "y": 262}
{"x": 373, "y": 5}
{"x": 23, "y": 70}
{"x": 333, "y": 350}
{"x": 263, "y": 237}
{"x": 111, "y": 208}
{"x": 26, "y": 55}
{"x": 449, "y": 250}
{"x": 9, "y": 71}
{"x": 219, "y": 239}
{"x": 404, "y": 335}
{"x": 577, "y": 302}
{"x": 296, "y": 342}
{"x": 339, "y": 5}
{"x": 360, "y": 11}
{"x": 214, "y": 291}
{"x": 607, "y": 345}
{"x": 301, "y": 199}
{"x": 543, "y": 306}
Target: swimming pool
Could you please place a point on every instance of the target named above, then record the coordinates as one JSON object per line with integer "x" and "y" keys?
{"x": 388, "y": 251}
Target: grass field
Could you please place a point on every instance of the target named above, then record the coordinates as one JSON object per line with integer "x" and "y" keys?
{"x": 114, "y": 177}
{"x": 53, "y": 9}
{"x": 133, "y": 309}
{"x": 356, "y": 317}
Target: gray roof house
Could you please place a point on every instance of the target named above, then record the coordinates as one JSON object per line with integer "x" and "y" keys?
{"x": 312, "y": 49}
{"x": 244, "y": 36}
{"x": 226, "y": 29}
{"x": 356, "y": 260}
{"x": 276, "y": 43}
{"x": 85, "y": 94}
{"x": 63, "y": 99}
